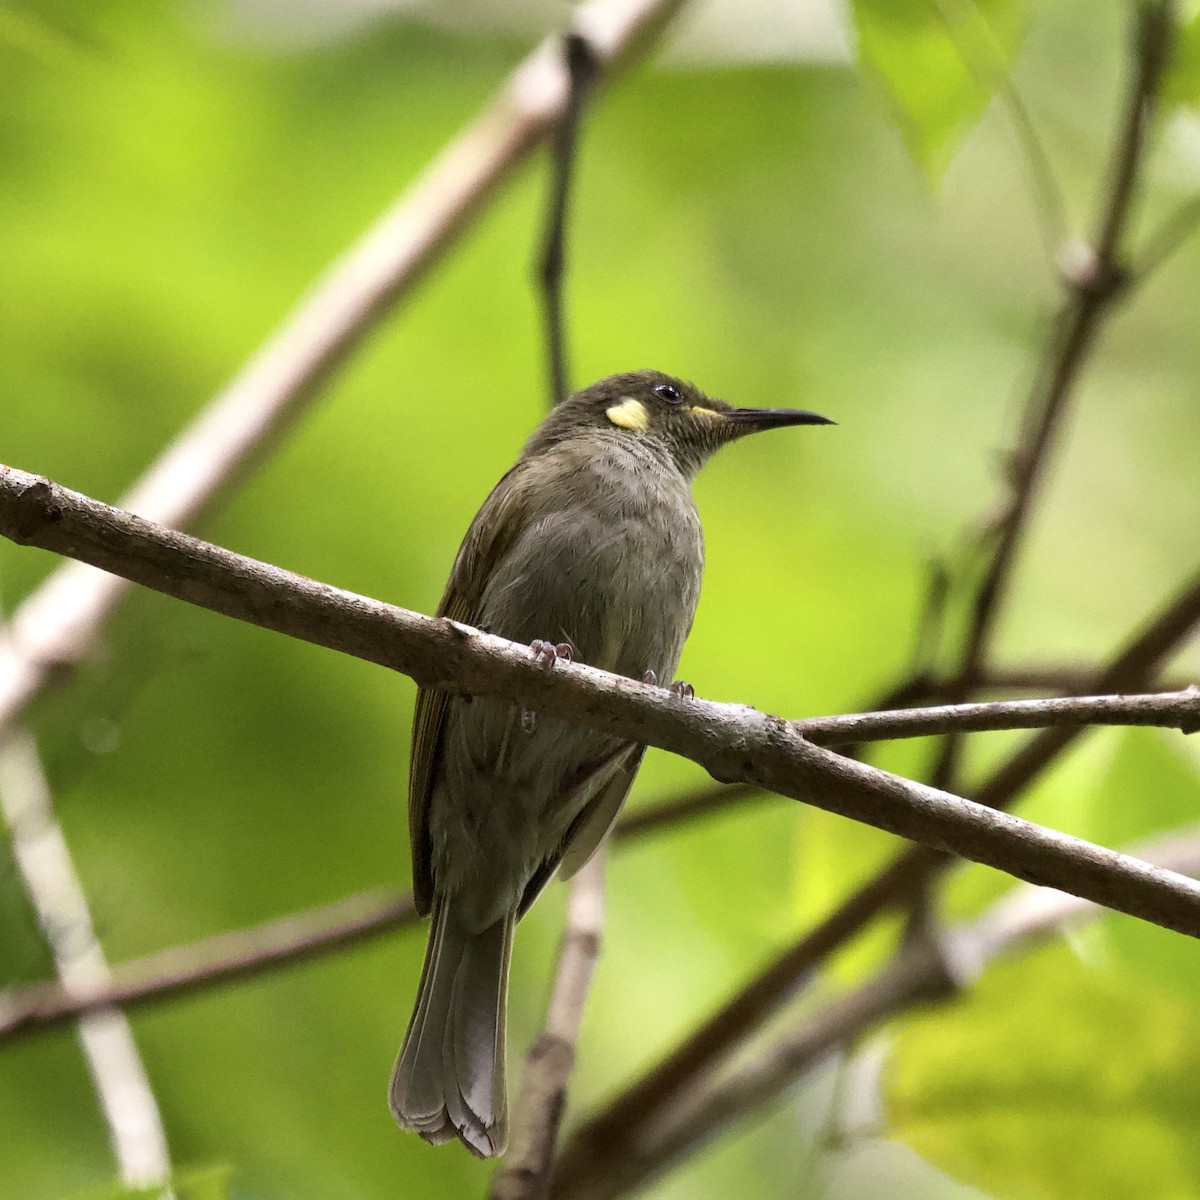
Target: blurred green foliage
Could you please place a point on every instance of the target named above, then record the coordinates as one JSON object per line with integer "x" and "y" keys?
{"x": 939, "y": 61}
{"x": 166, "y": 193}
{"x": 1059, "y": 1082}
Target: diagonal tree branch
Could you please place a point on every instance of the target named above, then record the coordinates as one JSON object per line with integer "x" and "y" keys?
{"x": 1090, "y": 295}
{"x": 1092, "y": 292}
{"x": 919, "y": 974}
{"x": 54, "y": 626}
{"x": 47, "y": 869}
{"x": 224, "y": 958}
{"x": 581, "y": 71}
{"x": 732, "y": 742}
{"x": 606, "y": 1133}
{"x": 300, "y": 936}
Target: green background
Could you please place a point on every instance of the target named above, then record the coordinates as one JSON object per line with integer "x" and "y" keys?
{"x": 167, "y": 193}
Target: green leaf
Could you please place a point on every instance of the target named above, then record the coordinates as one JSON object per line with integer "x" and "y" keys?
{"x": 1057, "y": 1080}
{"x": 1149, "y": 791}
{"x": 939, "y": 61}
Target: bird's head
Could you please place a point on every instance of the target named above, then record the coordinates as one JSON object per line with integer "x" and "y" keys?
{"x": 675, "y": 415}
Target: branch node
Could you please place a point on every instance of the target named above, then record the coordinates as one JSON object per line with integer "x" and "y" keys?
{"x": 28, "y": 508}
{"x": 1083, "y": 270}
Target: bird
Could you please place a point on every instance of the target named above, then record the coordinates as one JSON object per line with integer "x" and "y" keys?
{"x": 590, "y": 548}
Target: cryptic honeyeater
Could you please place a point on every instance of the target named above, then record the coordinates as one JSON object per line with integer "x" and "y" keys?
{"x": 590, "y": 546}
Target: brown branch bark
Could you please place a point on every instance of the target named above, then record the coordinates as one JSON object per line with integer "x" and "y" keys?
{"x": 197, "y": 966}
{"x": 606, "y": 1133}
{"x": 733, "y": 743}
{"x": 301, "y": 936}
{"x": 1092, "y": 293}
{"x": 552, "y": 264}
{"x": 920, "y": 974}
{"x": 1090, "y": 296}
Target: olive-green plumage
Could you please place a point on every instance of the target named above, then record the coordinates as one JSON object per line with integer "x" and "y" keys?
{"x": 593, "y": 540}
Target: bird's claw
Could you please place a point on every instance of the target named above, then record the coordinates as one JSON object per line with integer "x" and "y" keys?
{"x": 546, "y": 654}
{"x": 679, "y": 689}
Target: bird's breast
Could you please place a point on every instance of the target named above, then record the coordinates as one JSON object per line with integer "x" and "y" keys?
{"x": 610, "y": 560}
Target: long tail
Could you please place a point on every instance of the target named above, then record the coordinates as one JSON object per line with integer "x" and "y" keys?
{"x": 449, "y": 1078}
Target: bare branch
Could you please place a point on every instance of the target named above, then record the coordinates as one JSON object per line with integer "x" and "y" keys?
{"x": 296, "y": 938}
{"x": 917, "y": 976}
{"x": 1064, "y": 679}
{"x": 733, "y": 743}
{"x": 225, "y": 958}
{"x": 537, "y": 1114}
{"x": 669, "y": 814}
{"x": 1091, "y": 294}
{"x": 581, "y": 70}
{"x": 300, "y": 936}
{"x": 1178, "y": 710}
{"x": 55, "y": 625}
{"x": 52, "y": 883}
{"x": 607, "y": 1132}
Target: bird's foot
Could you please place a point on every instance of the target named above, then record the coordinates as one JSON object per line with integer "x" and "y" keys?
{"x": 678, "y": 689}
{"x": 546, "y": 654}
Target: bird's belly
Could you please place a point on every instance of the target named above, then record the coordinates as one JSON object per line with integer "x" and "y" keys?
{"x": 619, "y": 586}
{"x": 622, "y": 590}
{"x": 505, "y": 800}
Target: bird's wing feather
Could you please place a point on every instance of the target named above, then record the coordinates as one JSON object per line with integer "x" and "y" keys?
{"x": 597, "y": 819}
{"x": 589, "y": 827}
{"x": 491, "y": 533}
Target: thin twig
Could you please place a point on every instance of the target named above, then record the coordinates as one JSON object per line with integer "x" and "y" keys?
{"x": 1024, "y": 918}
{"x": 1065, "y": 679}
{"x": 734, "y": 743}
{"x": 607, "y": 1132}
{"x": 225, "y": 958}
{"x": 296, "y": 938}
{"x": 1091, "y": 295}
{"x": 54, "y": 627}
{"x": 670, "y": 814}
{"x": 301, "y": 936}
{"x": 537, "y": 1114}
{"x": 1178, "y": 710}
{"x": 540, "y": 1104}
{"x": 581, "y": 71}
{"x": 692, "y": 1121}
{"x": 52, "y": 883}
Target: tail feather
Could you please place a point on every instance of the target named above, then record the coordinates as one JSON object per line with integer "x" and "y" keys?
{"x": 449, "y": 1079}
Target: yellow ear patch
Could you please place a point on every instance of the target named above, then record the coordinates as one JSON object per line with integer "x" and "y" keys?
{"x": 629, "y": 414}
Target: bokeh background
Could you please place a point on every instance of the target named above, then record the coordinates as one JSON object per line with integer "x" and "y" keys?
{"x": 750, "y": 215}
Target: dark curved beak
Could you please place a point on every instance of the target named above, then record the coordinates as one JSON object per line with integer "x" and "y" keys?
{"x": 754, "y": 420}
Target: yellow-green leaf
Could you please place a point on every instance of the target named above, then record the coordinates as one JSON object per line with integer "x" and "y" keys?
{"x": 939, "y": 62}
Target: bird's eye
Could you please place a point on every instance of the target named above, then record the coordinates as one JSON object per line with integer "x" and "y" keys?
{"x": 668, "y": 392}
